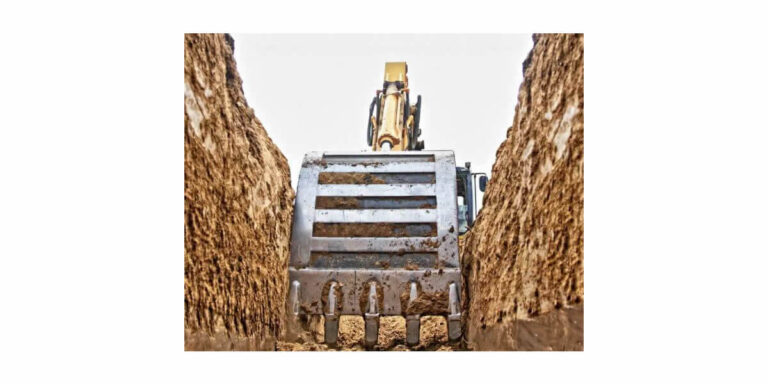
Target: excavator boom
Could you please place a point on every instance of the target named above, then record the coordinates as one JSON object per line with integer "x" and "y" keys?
{"x": 394, "y": 123}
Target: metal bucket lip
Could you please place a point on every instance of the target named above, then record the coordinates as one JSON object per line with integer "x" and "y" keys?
{"x": 352, "y": 283}
{"x": 394, "y": 281}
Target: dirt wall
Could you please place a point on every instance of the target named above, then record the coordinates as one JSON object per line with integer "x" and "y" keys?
{"x": 524, "y": 257}
{"x": 238, "y": 204}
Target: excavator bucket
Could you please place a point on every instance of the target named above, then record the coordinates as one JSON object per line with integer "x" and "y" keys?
{"x": 376, "y": 234}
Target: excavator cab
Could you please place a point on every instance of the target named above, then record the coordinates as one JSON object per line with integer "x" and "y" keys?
{"x": 467, "y": 184}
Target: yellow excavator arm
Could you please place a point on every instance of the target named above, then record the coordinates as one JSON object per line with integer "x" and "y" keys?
{"x": 393, "y": 123}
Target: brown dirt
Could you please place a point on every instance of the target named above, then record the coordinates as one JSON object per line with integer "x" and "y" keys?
{"x": 330, "y": 202}
{"x": 558, "y": 330}
{"x": 409, "y": 266}
{"x": 327, "y": 202}
{"x": 434, "y": 303}
{"x": 370, "y": 229}
{"x": 237, "y": 209}
{"x": 431, "y": 243}
{"x": 348, "y": 178}
{"x": 391, "y": 332}
{"x": 523, "y": 260}
{"x": 434, "y": 332}
{"x": 434, "y": 336}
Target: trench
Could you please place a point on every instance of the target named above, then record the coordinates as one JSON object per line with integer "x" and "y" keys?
{"x": 522, "y": 262}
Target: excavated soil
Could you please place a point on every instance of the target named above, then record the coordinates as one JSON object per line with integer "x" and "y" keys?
{"x": 524, "y": 258}
{"x": 348, "y": 178}
{"x": 333, "y": 202}
{"x": 433, "y": 335}
{"x": 238, "y": 204}
{"x": 435, "y": 303}
{"x": 374, "y": 229}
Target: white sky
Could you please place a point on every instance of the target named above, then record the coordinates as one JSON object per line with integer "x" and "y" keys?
{"x": 312, "y": 92}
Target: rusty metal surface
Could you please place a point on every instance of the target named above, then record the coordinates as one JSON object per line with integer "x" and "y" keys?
{"x": 357, "y": 261}
{"x": 383, "y": 260}
{"x": 394, "y": 283}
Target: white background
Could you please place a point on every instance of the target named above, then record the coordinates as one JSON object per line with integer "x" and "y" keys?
{"x": 313, "y": 92}
{"x": 91, "y": 202}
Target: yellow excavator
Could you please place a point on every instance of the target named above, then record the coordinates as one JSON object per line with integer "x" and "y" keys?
{"x": 393, "y": 123}
{"x": 375, "y": 232}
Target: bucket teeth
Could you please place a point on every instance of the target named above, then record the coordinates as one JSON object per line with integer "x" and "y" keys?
{"x": 412, "y": 322}
{"x": 454, "y": 318}
{"x": 331, "y": 329}
{"x": 294, "y": 295}
{"x": 412, "y": 329}
{"x": 372, "y": 317}
{"x": 331, "y": 318}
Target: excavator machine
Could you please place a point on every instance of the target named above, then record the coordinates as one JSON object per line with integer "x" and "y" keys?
{"x": 375, "y": 232}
